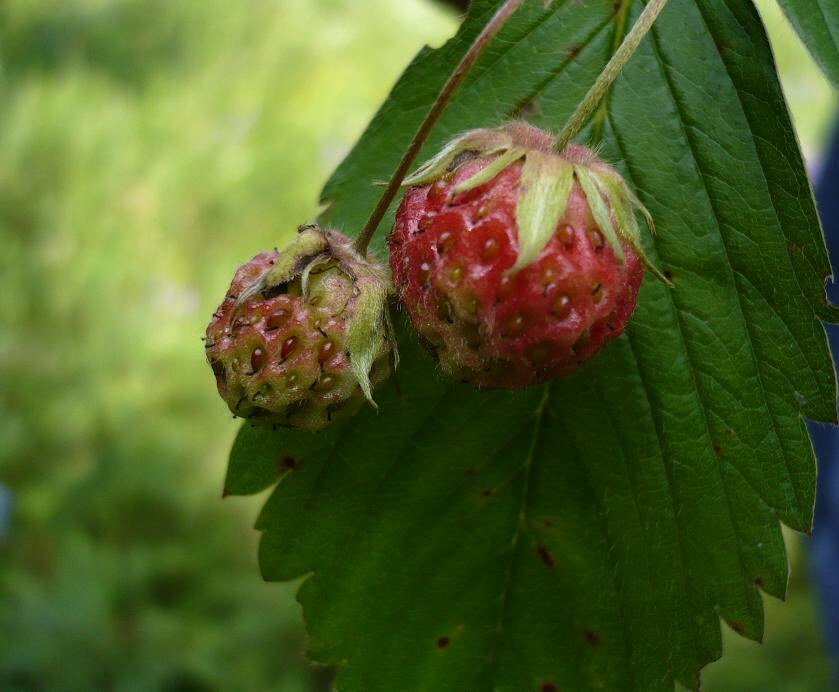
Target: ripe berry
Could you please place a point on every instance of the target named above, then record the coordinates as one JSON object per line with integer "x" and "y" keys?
{"x": 301, "y": 337}
{"x": 516, "y": 264}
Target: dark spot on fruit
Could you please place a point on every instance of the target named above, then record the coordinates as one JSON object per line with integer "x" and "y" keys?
{"x": 514, "y": 326}
{"x": 334, "y": 409}
{"x": 444, "y": 242}
{"x": 597, "y": 292}
{"x": 442, "y": 642}
{"x": 259, "y": 412}
{"x": 424, "y": 271}
{"x": 472, "y": 335}
{"x": 275, "y": 291}
{"x": 490, "y": 250}
{"x": 296, "y": 407}
{"x": 717, "y": 448}
{"x": 545, "y": 556}
{"x": 218, "y": 370}
{"x": 286, "y": 462}
{"x": 444, "y": 310}
{"x": 538, "y": 353}
{"x": 288, "y": 347}
{"x": 591, "y": 637}
{"x": 737, "y": 626}
{"x": 596, "y": 238}
{"x": 565, "y": 234}
{"x": 561, "y": 306}
{"x": 277, "y": 319}
{"x": 326, "y": 351}
{"x": 257, "y": 359}
{"x": 431, "y": 335}
{"x": 583, "y": 341}
{"x": 324, "y": 384}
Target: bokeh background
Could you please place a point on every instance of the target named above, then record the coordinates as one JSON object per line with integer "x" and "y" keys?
{"x": 147, "y": 147}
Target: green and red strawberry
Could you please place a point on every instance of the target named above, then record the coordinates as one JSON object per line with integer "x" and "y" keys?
{"x": 515, "y": 263}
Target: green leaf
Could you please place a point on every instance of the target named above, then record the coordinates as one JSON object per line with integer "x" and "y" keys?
{"x": 590, "y": 533}
{"x": 817, "y": 23}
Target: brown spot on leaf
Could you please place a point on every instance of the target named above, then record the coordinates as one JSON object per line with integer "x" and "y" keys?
{"x": 224, "y": 493}
{"x": 548, "y": 524}
{"x": 717, "y": 449}
{"x": 442, "y": 642}
{"x": 759, "y": 582}
{"x": 737, "y": 626}
{"x": 487, "y": 492}
{"x": 668, "y": 275}
{"x": 548, "y": 687}
{"x": 729, "y": 432}
{"x": 591, "y": 637}
{"x": 286, "y": 462}
{"x": 574, "y": 51}
{"x": 545, "y": 556}
{"x": 471, "y": 473}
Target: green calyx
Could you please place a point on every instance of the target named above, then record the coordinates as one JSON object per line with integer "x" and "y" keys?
{"x": 547, "y": 180}
{"x": 368, "y": 325}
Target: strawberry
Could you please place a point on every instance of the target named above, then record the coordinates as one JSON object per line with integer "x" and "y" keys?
{"x": 516, "y": 264}
{"x": 301, "y": 336}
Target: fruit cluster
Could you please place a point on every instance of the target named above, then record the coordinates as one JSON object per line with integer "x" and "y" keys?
{"x": 515, "y": 263}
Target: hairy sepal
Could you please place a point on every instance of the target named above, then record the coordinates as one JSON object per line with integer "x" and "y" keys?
{"x": 309, "y": 246}
{"x": 366, "y": 331}
{"x": 482, "y": 142}
{"x": 546, "y": 182}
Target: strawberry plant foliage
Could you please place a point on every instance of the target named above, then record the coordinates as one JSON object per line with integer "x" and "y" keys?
{"x": 817, "y": 22}
{"x": 586, "y": 534}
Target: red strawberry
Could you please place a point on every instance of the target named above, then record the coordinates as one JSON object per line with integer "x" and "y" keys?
{"x": 300, "y": 337}
{"x": 516, "y": 264}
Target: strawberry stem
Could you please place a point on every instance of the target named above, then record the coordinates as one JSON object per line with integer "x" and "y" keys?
{"x": 454, "y": 81}
{"x": 613, "y": 68}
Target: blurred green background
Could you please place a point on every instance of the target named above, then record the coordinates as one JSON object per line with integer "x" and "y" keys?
{"x": 147, "y": 147}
